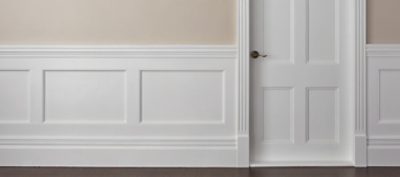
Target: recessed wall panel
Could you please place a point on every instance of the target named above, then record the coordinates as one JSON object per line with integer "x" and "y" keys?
{"x": 322, "y": 30}
{"x": 84, "y": 96}
{"x": 389, "y": 103}
{"x": 278, "y": 115}
{"x": 14, "y": 96}
{"x": 174, "y": 96}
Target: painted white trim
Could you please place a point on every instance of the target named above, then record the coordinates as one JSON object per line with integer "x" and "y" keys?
{"x": 387, "y": 141}
{"x": 304, "y": 164}
{"x": 383, "y": 50}
{"x": 360, "y": 129}
{"x": 382, "y": 149}
{"x": 371, "y": 150}
{"x": 119, "y": 52}
{"x": 121, "y": 157}
{"x": 121, "y": 151}
{"x": 120, "y": 142}
{"x": 243, "y": 153}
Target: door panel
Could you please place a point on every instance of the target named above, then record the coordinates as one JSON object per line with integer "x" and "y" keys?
{"x": 297, "y": 90}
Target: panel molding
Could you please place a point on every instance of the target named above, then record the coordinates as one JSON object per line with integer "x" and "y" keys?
{"x": 28, "y": 115}
{"x": 381, "y": 118}
{"x": 220, "y": 121}
{"x": 46, "y": 105}
{"x": 383, "y": 139}
{"x": 188, "y": 145}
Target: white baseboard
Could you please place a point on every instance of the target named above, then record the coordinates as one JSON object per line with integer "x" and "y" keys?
{"x": 384, "y": 156}
{"x": 303, "y": 164}
{"x": 117, "y": 152}
{"x": 98, "y": 157}
{"x": 384, "y": 151}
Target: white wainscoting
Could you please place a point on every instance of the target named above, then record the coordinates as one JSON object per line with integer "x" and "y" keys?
{"x": 119, "y": 106}
{"x": 383, "y": 105}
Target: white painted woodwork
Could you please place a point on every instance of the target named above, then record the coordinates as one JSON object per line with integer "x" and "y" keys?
{"x": 383, "y": 105}
{"x": 189, "y": 106}
{"x": 243, "y": 46}
{"x": 155, "y": 106}
{"x": 278, "y": 129}
{"x": 322, "y": 115}
{"x": 183, "y": 96}
{"x": 377, "y": 135}
{"x": 14, "y": 94}
{"x": 127, "y": 106}
{"x": 301, "y": 112}
{"x": 360, "y": 87}
{"x": 79, "y": 96}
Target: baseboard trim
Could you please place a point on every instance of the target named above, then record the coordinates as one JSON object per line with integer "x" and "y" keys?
{"x": 115, "y": 152}
{"x": 383, "y": 151}
{"x": 383, "y": 155}
{"x": 303, "y": 164}
{"x": 89, "y": 157}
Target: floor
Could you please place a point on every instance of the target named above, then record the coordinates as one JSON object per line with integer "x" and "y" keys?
{"x": 148, "y": 172}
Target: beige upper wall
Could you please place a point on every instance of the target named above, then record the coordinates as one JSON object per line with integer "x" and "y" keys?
{"x": 383, "y": 21}
{"x": 149, "y": 21}
{"x": 70, "y": 22}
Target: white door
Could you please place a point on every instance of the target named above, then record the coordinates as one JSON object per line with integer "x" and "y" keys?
{"x": 299, "y": 93}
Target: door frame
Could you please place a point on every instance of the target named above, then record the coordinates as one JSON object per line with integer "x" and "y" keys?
{"x": 357, "y": 14}
{"x": 360, "y": 128}
{"x": 243, "y": 48}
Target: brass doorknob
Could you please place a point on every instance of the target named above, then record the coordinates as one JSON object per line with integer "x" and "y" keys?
{"x": 255, "y": 54}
